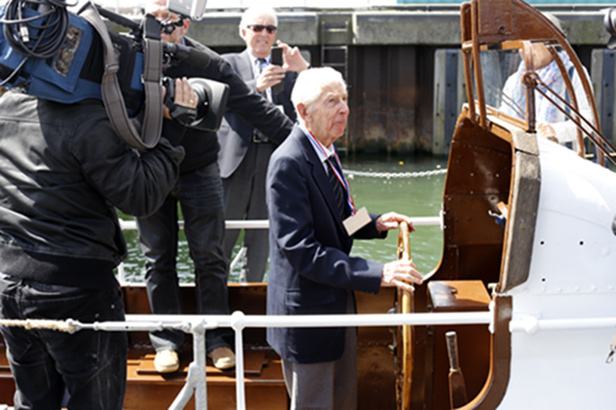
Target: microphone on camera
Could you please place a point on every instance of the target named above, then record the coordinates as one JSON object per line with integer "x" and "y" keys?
{"x": 190, "y": 55}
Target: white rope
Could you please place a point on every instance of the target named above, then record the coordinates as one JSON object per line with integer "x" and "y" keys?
{"x": 60, "y": 325}
{"x": 389, "y": 175}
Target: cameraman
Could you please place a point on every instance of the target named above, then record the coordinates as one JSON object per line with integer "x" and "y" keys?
{"x": 63, "y": 172}
{"x": 200, "y": 195}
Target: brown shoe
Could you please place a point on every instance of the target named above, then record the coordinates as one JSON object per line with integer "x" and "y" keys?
{"x": 223, "y": 358}
{"x": 166, "y": 361}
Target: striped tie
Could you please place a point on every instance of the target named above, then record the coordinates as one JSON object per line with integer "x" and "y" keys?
{"x": 337, "y": 188}
{"x": 261, "y": 64}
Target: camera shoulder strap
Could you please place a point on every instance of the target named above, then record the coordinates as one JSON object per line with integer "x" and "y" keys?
{"x": 113, "y": 101}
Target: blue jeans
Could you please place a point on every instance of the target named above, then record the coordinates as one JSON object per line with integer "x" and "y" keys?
{"x": 89, "y": 365}
{"x": 199, "y": 193}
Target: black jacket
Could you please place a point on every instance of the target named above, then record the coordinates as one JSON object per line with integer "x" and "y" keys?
{"x": 202, "y": 147}
{"x": 63, "y": 171}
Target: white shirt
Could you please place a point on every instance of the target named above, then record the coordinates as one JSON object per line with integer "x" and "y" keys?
{"x": 322, "y": 154}
{"x": 256, "y": 73}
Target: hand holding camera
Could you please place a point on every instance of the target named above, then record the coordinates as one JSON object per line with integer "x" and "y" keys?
{"x": 180, "y": 103}
{"x": 270, "y": 77}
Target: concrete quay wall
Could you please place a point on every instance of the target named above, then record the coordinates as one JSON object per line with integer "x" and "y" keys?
{"x": 419, "y": 25}
{"x": 390, "y": 57}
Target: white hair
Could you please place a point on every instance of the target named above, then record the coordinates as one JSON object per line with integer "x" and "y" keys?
{"x": 310, "y": 84}
{"x": 252, "y": 13}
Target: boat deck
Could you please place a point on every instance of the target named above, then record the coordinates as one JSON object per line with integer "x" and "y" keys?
{"x": 264, "y": 382}
{"x": 147, "y": 389}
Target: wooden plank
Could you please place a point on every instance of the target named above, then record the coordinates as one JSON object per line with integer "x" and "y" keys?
{"x": 254, "y": 362}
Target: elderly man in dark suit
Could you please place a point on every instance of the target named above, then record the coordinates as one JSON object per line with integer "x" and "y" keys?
{"x": 245, "y": 152}
{"x": 313, "y": 222}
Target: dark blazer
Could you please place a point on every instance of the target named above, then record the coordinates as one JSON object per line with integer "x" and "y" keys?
{"x": 235, "y": 134}
{"x": 311, "y": 271}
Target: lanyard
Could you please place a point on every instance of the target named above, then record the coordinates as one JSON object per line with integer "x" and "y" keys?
{"x": 341, "y": 178}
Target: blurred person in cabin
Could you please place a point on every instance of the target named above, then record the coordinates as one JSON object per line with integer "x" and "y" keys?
{"x": 551, "y": 122}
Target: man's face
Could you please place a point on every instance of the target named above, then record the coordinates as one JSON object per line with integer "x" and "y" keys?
{"x": 159, "y": 9}
{"x": 326, "y": 118}
{"x": 260, "y": 43}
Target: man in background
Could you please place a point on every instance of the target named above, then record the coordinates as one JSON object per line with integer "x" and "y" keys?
{"x": 245, "y": 152}
{"x": 199, "y": 194}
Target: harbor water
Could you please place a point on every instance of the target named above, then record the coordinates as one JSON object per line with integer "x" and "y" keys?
{"x": 392, "y": 183}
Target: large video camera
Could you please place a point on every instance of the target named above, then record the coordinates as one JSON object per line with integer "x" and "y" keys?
{"x": 54, "y": 54}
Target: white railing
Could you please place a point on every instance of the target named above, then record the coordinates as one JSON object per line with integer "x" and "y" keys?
{"x": 197, "y": 325}
{"x": 264, "y": 223}
{"x": 260, "y": 224}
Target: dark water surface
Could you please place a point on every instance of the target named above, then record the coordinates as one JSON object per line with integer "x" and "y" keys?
{"x": 418, "y": 196}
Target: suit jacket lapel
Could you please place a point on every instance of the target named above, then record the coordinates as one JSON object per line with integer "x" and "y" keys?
{"x": 321, "y": 178}
{"x": 245, "y": 66}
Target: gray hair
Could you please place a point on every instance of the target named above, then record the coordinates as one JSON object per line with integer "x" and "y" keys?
{"x": 252, "y": 13}
{"x": 310, "y": 83}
